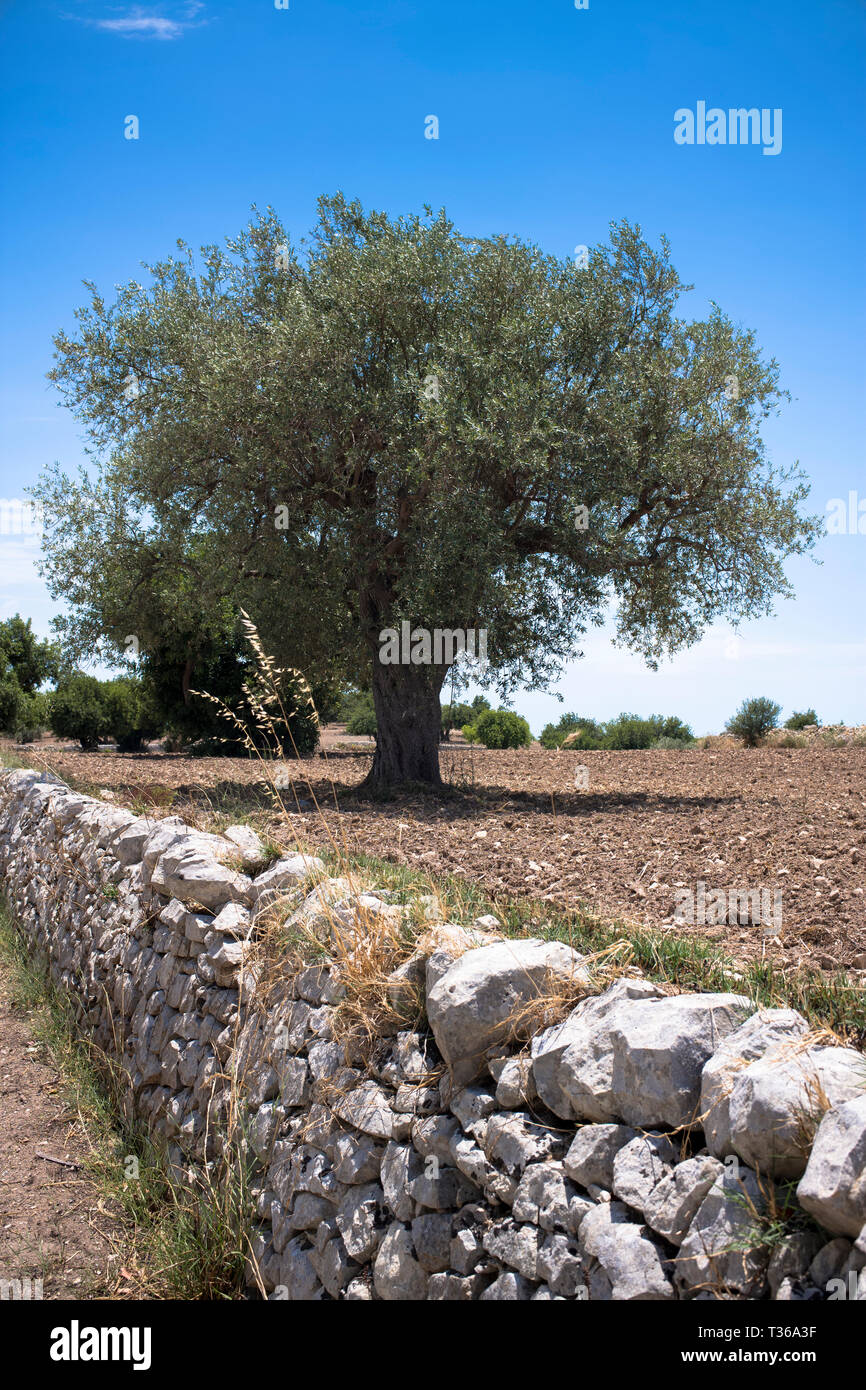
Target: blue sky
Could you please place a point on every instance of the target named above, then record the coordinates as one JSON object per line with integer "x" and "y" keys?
{"x": 553, "y": 121}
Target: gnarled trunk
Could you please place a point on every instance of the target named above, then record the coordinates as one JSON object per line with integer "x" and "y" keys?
{"x": 409, "y": 720}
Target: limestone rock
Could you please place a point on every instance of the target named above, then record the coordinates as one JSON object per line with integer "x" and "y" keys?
{"x": 631, "y": 1262}
{"x": 759, "y": 1091}
{"x": 251, "y": 851}
{"x": 483, "y": 999}
{"x": 640, "y": 1166}
{"x": 633, "y": 1054}
{"x": 282, "y": 877}
{"x": 543, "y": 1197}
{"x": 723, "y": 1247}
{"x": 673, "y": 1204}
{"x": 833, "y": 1187}
{"x": 590, "y": 1158}
{"x": 397, "y": 1275}
{"x": 362, "y": 1218}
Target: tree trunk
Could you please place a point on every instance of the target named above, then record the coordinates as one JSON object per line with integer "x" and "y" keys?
{"x": 406, "y": 700}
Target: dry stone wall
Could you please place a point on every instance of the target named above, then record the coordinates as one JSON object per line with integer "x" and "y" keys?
{"x": 639, "y": 1149}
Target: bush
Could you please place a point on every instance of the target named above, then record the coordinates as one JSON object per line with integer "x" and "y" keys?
{"x": 362, "y": 715}
{"x": 502, "y": 728}
{"x": 754, "y": 720}
{"x": 79, "y": 710}
{"x": 626, "y": 731}
{"x": 589, "y": 734}
{"x": 34, "y": 717}
{"x": 132, "y": 714}
{"x": 630, "y": 731}
{"x": 351, "y": 702}
{"x": 457, "y": 716}
{"x": 671, "y": 744}
{"x": 12, "y": 703}
{"x": 672, "y": 728}
{"x": 801, "y": 720}
{"x": 791, "y": 741}
{"x": 300, "y": 732}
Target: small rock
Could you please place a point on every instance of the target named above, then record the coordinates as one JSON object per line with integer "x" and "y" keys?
{"x": 833, "y": 1187}
{"x": 590, "y": 1159}
{"x": 431, "y": 1237}
{"x": 253, "y": 854}
{"x": 515, "y": 1087}
{"x": 630, "y": 1259}
{"x": 397, "y": 1275}
{"x": 829, "y": 1261}
{"x": 673, "y": 1204}
{"x": 723, "y": 1246}
{"x": 362, "y": 1218}
{"x": 508, "y": 1288}
{"x": 640, "y": 1166}
{"x": 543, "y": 1197}
{"x": 791, "y": 1258}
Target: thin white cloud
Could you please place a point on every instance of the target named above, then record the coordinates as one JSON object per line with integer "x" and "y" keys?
{"x": 139, "y": 22}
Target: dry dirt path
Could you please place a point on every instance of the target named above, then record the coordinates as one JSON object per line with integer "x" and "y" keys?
{"x": 52, "y": 1225}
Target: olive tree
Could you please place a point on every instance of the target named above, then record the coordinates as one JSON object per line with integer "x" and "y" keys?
{"x": 399, "y": 423}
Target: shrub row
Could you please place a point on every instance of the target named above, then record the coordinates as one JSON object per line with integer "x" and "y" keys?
{"x": 626, "y": 731}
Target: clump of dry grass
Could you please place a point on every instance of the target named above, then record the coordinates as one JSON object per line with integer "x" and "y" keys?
{"x": 270, "y": 731}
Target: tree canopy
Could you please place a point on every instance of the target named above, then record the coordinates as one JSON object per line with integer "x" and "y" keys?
{"x": 26, "y": 659}
{"x": 398, "y": 422}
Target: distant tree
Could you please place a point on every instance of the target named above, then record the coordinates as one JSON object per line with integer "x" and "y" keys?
{"x": 362, "y": 715}
{"x": 32, "y": 662}
{"x": 79, "y": 710}
{"x": 11, "y": 704}
{"x": 802, "y": 720}
{"x": 754, "y": 720}
{"x": 456, "y": 715}
{"x": 624, "y": 732}
{"x": 187, "y": 667}
{"x": 131, "y": 714}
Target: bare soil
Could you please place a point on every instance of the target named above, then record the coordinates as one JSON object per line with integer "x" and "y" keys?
{"x": 54, "y": 1226}
{"x": 648, "y": 823}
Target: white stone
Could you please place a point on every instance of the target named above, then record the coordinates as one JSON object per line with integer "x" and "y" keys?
{"x": 673, "y": 1204}
{"x": 633, "y": 1054}
{"x": 486, "y": 997}
{"x": 723, "y": 1247}
{"x": 631, "y": 1260}
{"x": 833, "y": 1187}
